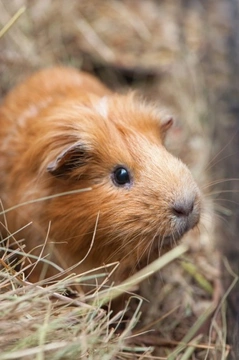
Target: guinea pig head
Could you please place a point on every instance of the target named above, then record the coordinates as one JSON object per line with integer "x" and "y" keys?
{"x": 142, "y": 198}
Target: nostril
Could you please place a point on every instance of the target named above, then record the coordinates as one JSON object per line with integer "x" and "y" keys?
{"x": 183, "y": 208}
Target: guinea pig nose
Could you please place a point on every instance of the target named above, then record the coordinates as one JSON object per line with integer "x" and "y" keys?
{"x": 183, "y": 207}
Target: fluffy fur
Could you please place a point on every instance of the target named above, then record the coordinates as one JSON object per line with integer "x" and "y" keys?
{"x": 63, "y": 130}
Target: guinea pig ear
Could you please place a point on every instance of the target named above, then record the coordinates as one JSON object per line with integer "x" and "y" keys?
{"x": 166, "y": 123}
{"x": 69, "y": 159}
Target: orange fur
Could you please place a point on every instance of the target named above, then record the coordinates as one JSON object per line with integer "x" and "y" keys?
{"x": 63, "y": 130}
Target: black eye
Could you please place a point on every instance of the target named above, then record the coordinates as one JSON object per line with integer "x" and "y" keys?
{"x": 121, "y": 176}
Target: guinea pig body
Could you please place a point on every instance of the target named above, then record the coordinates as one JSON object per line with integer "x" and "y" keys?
{"x": 63, "y": 131}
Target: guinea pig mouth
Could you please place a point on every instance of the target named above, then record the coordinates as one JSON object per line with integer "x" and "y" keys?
{"x": 181, "y": 229}
{"x": 171, "y": 240}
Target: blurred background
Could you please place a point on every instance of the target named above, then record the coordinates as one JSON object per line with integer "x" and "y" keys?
{"x": 183, "y": 55}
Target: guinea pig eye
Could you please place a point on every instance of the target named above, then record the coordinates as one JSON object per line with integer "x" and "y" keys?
{"x": 121, "y": 176}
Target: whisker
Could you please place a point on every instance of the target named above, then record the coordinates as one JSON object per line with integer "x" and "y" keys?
{"x": 150, "y": 247}
{"x": 226, "y": 200}
{"x": 219, "y": 160}
{"x": 219, "y": 181}
{"x": 223, "y": 219}
{"x": 222, "y": 191}
{"x": 210, "y": 164}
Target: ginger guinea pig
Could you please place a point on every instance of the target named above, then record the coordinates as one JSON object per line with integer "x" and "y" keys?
{"x": 62, "y": 130}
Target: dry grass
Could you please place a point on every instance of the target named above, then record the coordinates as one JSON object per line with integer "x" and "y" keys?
{"x": 39, "y": 321}
{"x": 158, "y": 48}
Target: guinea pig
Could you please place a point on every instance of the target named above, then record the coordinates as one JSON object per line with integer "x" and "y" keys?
{"x": 91, "y": 171}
